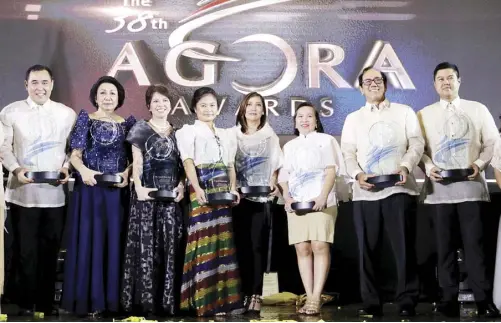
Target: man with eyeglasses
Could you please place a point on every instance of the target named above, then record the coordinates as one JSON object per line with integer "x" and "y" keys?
{"x": 460, "y": 135}
{"x": 383, "y": 138}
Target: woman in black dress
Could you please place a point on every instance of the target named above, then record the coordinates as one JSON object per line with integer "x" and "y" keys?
{"x": 155, "y": 227}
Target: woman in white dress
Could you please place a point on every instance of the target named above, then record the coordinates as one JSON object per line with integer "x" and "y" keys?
{"x": 311, "y": 162}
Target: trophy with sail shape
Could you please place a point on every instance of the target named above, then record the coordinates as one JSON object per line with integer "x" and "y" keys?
{"x": 213, "y": 176}
{"x": 253, "y": 167}
{"x": 104, "y": 132}
{"x": 41, "y": 139}
{"x": 162, "y": 172}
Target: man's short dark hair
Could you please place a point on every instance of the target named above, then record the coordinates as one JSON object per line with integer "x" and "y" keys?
{"x": 111, "y": 80}
{"x": 361, "y": 76}
{"x": 444, "y": 66}
{"x": 38, "y": 68}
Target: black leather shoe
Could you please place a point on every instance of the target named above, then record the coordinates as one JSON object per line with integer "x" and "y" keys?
{"x": 25, "y": 312}
{"x": 371, "y": 310}
{"x": 52, "y": 312}
{"x": 407, "y": 311}
{"x": 487, "y": 309}
{"x": 449, "y": 309}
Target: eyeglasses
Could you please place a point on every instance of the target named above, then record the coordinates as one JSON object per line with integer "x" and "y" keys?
{"x": 368, "y": 82}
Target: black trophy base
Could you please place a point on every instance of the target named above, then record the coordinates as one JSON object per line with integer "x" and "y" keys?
{"x": 302, "y": 208}
{"x": 456, "y": 175}
{"x": 163, "y": 195}
{"x": 255, "y": 190}
{"x": 223, "y": 198}
{"x": 384, "y": 181}
{"x": 108, "y": 179}
{"x": 45, "y": 177}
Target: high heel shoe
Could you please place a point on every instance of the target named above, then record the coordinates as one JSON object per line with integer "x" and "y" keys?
{"x": 255, "y": 304}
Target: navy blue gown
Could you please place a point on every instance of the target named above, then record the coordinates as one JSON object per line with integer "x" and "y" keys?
{"x": 93, "y": 257}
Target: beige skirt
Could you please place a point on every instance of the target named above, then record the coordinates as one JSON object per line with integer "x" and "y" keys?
{"x": 316, "y": 226}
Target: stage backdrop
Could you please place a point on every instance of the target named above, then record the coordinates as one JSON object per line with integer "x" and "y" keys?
{"x": 287, "y": 50}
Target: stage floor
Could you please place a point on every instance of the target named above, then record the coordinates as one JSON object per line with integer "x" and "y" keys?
{"x": 330, "y": 313}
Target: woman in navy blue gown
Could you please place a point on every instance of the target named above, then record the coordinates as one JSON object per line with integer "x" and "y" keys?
{"x": 93, "y": 258}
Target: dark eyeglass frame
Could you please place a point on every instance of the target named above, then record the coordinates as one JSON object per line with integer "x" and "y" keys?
{"x": 377, "y": 80}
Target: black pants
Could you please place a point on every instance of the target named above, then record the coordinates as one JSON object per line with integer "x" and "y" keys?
{"x": 37, "y": 239}
{"x": 395, "y": 214}
{"x": 251, "y": 232}
{"x": 452, "y": 222}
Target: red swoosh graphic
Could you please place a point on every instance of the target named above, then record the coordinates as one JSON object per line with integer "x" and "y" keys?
{"x": 210, "y": 5}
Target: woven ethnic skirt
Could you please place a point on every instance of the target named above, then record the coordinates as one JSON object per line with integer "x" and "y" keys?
{"x": 211, "y": 280}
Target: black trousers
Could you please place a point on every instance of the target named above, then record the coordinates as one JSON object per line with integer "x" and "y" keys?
{"x": 251, "y": 232}
{"x": 453, "y": 223}
{"x": 395, "y": 214}
{"x": 37, "y": 239}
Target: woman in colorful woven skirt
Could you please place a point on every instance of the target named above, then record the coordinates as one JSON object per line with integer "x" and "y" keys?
{"x": 257, "y": 161}
{"x": 155, "y": 227}
{"x": 311, "y": 162}
{"x": 211, "y": 281}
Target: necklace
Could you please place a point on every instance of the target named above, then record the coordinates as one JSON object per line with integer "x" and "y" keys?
{"x": 161, "y": 128}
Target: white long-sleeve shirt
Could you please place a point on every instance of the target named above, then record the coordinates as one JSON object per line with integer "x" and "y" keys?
{"x": 379, "y": 141}
{"x": 35, "y": 138}
{"x": 305, "y": 160}
{"x": 457, "y": 134}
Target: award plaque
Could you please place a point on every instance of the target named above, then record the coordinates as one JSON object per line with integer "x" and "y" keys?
{"x": 253, "y": 167}
{"x": 456, "y": 175}
{"x": 384, "y": 181}
{"x": 45, "y": 177}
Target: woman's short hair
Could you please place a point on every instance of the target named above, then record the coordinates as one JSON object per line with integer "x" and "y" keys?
{"x": 152, "y": 89}
{"x": 199, "y": 94}
{"x": 111, "y": 80}
{"x": 319, "y": 128}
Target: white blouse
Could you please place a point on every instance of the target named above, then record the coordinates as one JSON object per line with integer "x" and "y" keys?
{"x": 305, "y": 160}
{"x": 258, "y": 156}
{"x": 457, "y": 134}
{"x": 199, "y": 143}
{"x": 35, "y": 138}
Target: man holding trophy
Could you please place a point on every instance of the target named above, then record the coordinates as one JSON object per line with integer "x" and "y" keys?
{"x": 460, "y": 138}
{"x": 34, "y": 151}
{"x": 381, "y": 144}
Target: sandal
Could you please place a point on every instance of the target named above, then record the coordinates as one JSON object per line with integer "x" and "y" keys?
{"x": 311, "y": 307}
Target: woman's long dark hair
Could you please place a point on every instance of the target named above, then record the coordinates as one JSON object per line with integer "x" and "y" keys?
{"x": 243, "y": 108}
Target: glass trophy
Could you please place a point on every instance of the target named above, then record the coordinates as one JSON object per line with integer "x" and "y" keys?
{"x": 214, "y": 180}
{"x": 382, "y": 159}
{"x": 109, "y": 169}
{"x": 163, "y": 168}
{"x": 452, "y": 153}
{"x": 301, "y": 190}
{"x": 40, "y": 139}
{"x": 104, "y": 132}
{"x": 253, "y": 167}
